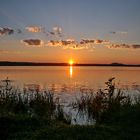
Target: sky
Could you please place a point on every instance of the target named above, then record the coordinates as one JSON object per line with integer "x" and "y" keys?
{"x": 87, "y": 31}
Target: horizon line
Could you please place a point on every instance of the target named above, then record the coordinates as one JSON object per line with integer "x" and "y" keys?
{"x": 22, "y": 63}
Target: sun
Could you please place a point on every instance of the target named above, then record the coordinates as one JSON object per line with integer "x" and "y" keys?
{"x": 71, "y": 62}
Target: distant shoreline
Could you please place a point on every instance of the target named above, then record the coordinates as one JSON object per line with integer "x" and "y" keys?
{"x": 8, "y": 63}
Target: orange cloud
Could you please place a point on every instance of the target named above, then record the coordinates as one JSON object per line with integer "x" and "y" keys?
{"x": 72, "y": 44}
{"x": 67, "y": 44}
{"x": 34, "y": 29}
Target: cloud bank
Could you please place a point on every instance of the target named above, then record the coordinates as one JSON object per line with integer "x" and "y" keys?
{"x": 56, "y": 31}
{"x": 77, "y": 45}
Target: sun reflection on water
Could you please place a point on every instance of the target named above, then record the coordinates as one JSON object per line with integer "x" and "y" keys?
{"x": 71, "y": 71}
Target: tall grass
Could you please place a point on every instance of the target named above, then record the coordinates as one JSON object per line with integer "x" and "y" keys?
{"x": 96, "y": 105}
{"x": 39, "y": 104}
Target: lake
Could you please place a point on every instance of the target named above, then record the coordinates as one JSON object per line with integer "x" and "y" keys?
{"x": 70, "y": 79}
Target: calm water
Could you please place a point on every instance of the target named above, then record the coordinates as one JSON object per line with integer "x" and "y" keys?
{"x": 68, "y": 79}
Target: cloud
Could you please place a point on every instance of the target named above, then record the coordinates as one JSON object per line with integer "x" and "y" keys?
{"x": 69, "y": 44}
{"x": 136, "y": 46}
{"x": 119, "y": 32}
{"x": 34, "y": 29}
{"x": 60, "y": 43}
{"x": 123, "y": 46}
{"x": 87, "y": 41}
{"x": 56, "y": 31}
{"x": 33, "y": 42}
{"x": 89, "y": 44}
{"x": 113, "y": 32}
{"x": 6, "y": 31}
{"x": 52, "y": 33}
{"x": 93, "y": 41}
{"x": 75, "y": 47}
{"x": 54, "y": 43}
{"x": 123, "y": 32}
{"x": 72, "y": 44}
{"x": 100, "y": 41}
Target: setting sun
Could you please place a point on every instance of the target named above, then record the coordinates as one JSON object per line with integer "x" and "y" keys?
{"x": 71, "y": 62}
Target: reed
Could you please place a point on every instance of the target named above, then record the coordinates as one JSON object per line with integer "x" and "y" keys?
{"x": 39, "y": 104}
{"x": 96, "y": 105}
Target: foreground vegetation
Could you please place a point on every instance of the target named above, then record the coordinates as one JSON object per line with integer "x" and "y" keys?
{"x": 37, "y": 115}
